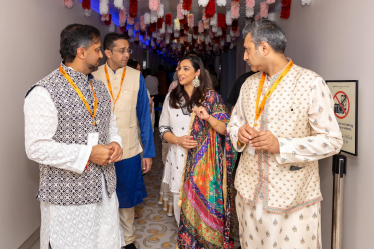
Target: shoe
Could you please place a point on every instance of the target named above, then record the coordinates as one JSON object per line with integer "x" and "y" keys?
{"x": 165, "y": 205}
{"x": 130, "y": 246}
{"x": 170, "y": 210}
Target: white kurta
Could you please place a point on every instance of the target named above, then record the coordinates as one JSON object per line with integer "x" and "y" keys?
{"x": 178, "y": 121}
{"x": 301, "y": 228}
{"x": 86, "y": 226}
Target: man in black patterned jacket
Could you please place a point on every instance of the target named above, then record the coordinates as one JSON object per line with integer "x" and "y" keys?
{"x": 71, "y": 132}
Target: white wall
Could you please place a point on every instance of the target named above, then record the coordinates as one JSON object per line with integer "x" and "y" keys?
{"x": 335, "y": 39}
{"x": 29, "y": 51}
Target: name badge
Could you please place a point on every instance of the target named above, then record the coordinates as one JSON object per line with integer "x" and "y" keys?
{"x": 93, "y": 139}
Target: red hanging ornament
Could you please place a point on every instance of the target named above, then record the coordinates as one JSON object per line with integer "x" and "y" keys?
{"x": 133, "y": 8}
{"x": 168, "y": 19}
{"x": 86, "y": 4}
{"x": 153, "y": 27}
{"x": 142, "y": 33}
{"x": 183, "y": 21}
{"x": 286, "y": 7}
{"x": 186, "y": 27}
{"x": 109, "y": 21}
{"x": 195, "y": 30}
{"x": 210, "y": 9}
{"x": 234, "y": 25}
{"x": 221, "y": 20}
{"x": 187, "y": 5}
{"x": 124, "y": 28}
{"x": 160, "y": 22}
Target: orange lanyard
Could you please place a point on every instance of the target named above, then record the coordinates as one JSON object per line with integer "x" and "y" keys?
{"x": 67, "y": 77}
{"x": 110, "y": 86}
{"x": 260, "y": 108}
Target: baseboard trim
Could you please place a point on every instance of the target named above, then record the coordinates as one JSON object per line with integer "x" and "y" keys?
{"x": 31, "y": 240}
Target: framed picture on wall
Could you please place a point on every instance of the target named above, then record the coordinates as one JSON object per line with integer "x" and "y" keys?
{"x": 345, "y": 96}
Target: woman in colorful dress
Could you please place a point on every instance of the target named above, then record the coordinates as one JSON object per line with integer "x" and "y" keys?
{"x": 200, "y": 159}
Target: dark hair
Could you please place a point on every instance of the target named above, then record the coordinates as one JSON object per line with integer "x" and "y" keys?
{"x": 147, "y": 72}
{"x": 75, "y": 36}
{"x": 266, "y": 30}
{"x": 160, "y": 67}
{"x": 133, "y": 63}
{"x": 198, "y": 94}
{"x": 110, "y": 38}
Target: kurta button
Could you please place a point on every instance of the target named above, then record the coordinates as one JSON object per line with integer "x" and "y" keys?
{"x": 115, "y": 88}
{"x": 125, "y": 91}
{"x": 114, "y": 77}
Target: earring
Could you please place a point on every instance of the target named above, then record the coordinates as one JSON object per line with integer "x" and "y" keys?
{"x": 196, "y": 82}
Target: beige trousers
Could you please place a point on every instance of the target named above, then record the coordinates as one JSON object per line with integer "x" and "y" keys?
{"x": 177, "y": 209}
{"x": 127, "y": 223}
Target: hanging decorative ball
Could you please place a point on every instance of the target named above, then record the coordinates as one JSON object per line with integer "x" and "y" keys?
{"x": 210, "y": 9}
{"x": 133, "y": 8}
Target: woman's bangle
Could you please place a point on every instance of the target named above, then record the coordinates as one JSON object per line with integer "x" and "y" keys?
{"x": 216, "y": 124}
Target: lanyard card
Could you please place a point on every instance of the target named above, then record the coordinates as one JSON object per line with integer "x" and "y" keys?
{"x": 93, "y": 139}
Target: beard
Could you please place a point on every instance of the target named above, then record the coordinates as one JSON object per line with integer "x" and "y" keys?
{"x": 93, "y": 67}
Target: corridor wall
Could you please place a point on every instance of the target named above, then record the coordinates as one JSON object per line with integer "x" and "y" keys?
{"x": 335, "y": 39}
{"x": 30, "y": 33}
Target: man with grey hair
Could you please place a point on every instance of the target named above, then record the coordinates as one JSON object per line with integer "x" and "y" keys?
{"x": 283, "y": 122}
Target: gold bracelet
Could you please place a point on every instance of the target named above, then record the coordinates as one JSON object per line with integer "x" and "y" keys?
{"x": 239, "y": 144}
{"x": 216, "y": 124}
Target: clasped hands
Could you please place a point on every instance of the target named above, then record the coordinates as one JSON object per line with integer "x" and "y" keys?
{"x": 105, "y": 154}
{"x": 259, "y": 140}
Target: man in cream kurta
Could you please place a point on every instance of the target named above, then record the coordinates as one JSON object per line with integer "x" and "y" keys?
{"x": 277, "y": 180}
{"x": 130, "y": 104}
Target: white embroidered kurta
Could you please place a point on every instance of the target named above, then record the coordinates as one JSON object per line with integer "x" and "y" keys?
{"x": 176, "y": 121}
{"x": 86, "y": 226}
{"x": 280, "y": 223}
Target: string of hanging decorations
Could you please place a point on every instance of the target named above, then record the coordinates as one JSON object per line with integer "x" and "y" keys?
{"x": 170, "y": 36}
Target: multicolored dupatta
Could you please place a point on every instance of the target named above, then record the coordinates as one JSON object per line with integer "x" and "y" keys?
{"x": 207, "y": 185}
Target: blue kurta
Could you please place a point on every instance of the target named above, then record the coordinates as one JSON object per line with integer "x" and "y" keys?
{"x": 130, "y": 185}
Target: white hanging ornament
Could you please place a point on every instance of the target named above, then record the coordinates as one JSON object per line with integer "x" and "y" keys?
{"x": 132, "y": 39}
{"x": 271, "y": 16}
{"x": 160, "y": 12}
{"x": 112, "y": 27}
{"x": 118, "y": 4}
{"x": 304, "y": 2}
{"x": 169, "y": 29}
{"x": 214, "y": 20}
{"x": 162, "y": 30}
{"x": 87, "y": 12}
{"x": 153, "y": 16}
{"x": 203, "y": 3}
{"x": 104, "y": 7}
{"x": 249, "y": 12}
{"x": 228, "y": 18}
{"x": 147, "y": 18}
{"x": 221, "y": 2}
{"x": 189, "y": 38}
{"x": 231, "y": 45}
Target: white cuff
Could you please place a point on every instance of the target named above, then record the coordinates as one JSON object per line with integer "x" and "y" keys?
{"x": 82, "y": 160}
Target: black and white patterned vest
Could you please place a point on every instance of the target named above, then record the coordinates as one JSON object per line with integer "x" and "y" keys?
{"x": 63, "y": 187}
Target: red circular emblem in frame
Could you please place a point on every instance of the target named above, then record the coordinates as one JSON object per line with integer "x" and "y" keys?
{"x": 348, "y": 105}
